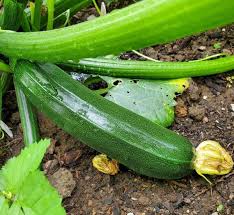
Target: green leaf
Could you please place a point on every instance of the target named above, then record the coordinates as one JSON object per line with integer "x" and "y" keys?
{"x": 13, "y": 14}
{"x": 28, "y": 211}
{"x": 18, "y": 168}
{"x": 15, "y": 209}
{"x": 151, "y": 99}
{"x": 4, "y": 207}
{"x": 37, "y": 195}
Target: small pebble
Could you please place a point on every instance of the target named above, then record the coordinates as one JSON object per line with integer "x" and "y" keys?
{"x": 50, "y": 166}
{"x": 87, "y": 178}
{"x": 202, "y": 48}
{"x": 187, "y": 200}
{"x": 205, "y": 120}
{"x": 232, "y": 107}
{"x": 130, "y": 213}
{"x": 90, "y": 203}
{"x": 231, "y": 196}
{"x": 91, "y": 17}
{"x": 197, "y": 112}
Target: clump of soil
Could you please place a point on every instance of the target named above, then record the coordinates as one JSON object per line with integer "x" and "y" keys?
{"x": 204, "y": 111}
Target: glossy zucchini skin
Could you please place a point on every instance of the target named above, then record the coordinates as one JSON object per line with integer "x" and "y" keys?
{"x": 153, "y": 70}
{"x": 134, "y": 141}
{"x": 139, "y": 25}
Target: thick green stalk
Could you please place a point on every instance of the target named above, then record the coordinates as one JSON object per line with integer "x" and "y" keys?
{"x": 37, "y": 15}
{"x": 50, "y": 6}
{"x": 153, "y": 70}
{"x": 142, "y": 24}
{"x": 27, "y": 116}
{"x": 25, "y": 23}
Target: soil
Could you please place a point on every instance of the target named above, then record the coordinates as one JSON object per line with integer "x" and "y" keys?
{"x": 204, "y": 111}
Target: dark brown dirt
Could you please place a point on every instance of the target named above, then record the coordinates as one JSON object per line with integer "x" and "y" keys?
{"x": 204, "y": 111}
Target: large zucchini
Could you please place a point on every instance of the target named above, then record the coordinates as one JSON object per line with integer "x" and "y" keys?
{"x": 142, "y": 24}
{"x": 134, "y": 141}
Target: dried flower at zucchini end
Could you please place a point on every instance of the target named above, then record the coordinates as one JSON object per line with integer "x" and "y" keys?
{"x": 212, "y": 159}
{"x": 104, "y": 165}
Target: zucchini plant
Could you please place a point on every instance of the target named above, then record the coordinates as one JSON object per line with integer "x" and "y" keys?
{"x": 103, "y": 125}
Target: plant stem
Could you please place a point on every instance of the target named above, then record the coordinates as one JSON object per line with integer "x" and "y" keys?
{"x": 32, "y": 11}
{"x": 27, "y": 116}
{"x": 211, "y": 57}
{"x": 25, "y": 23}
{"x": 50, "y": 6}
{"x": 97, "y": 8}
{"x": 37, "y": 15}
{"x": 144, "y": 56}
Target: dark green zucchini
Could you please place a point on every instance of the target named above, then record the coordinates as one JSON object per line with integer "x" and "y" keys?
{"x": 134, "y": 141}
